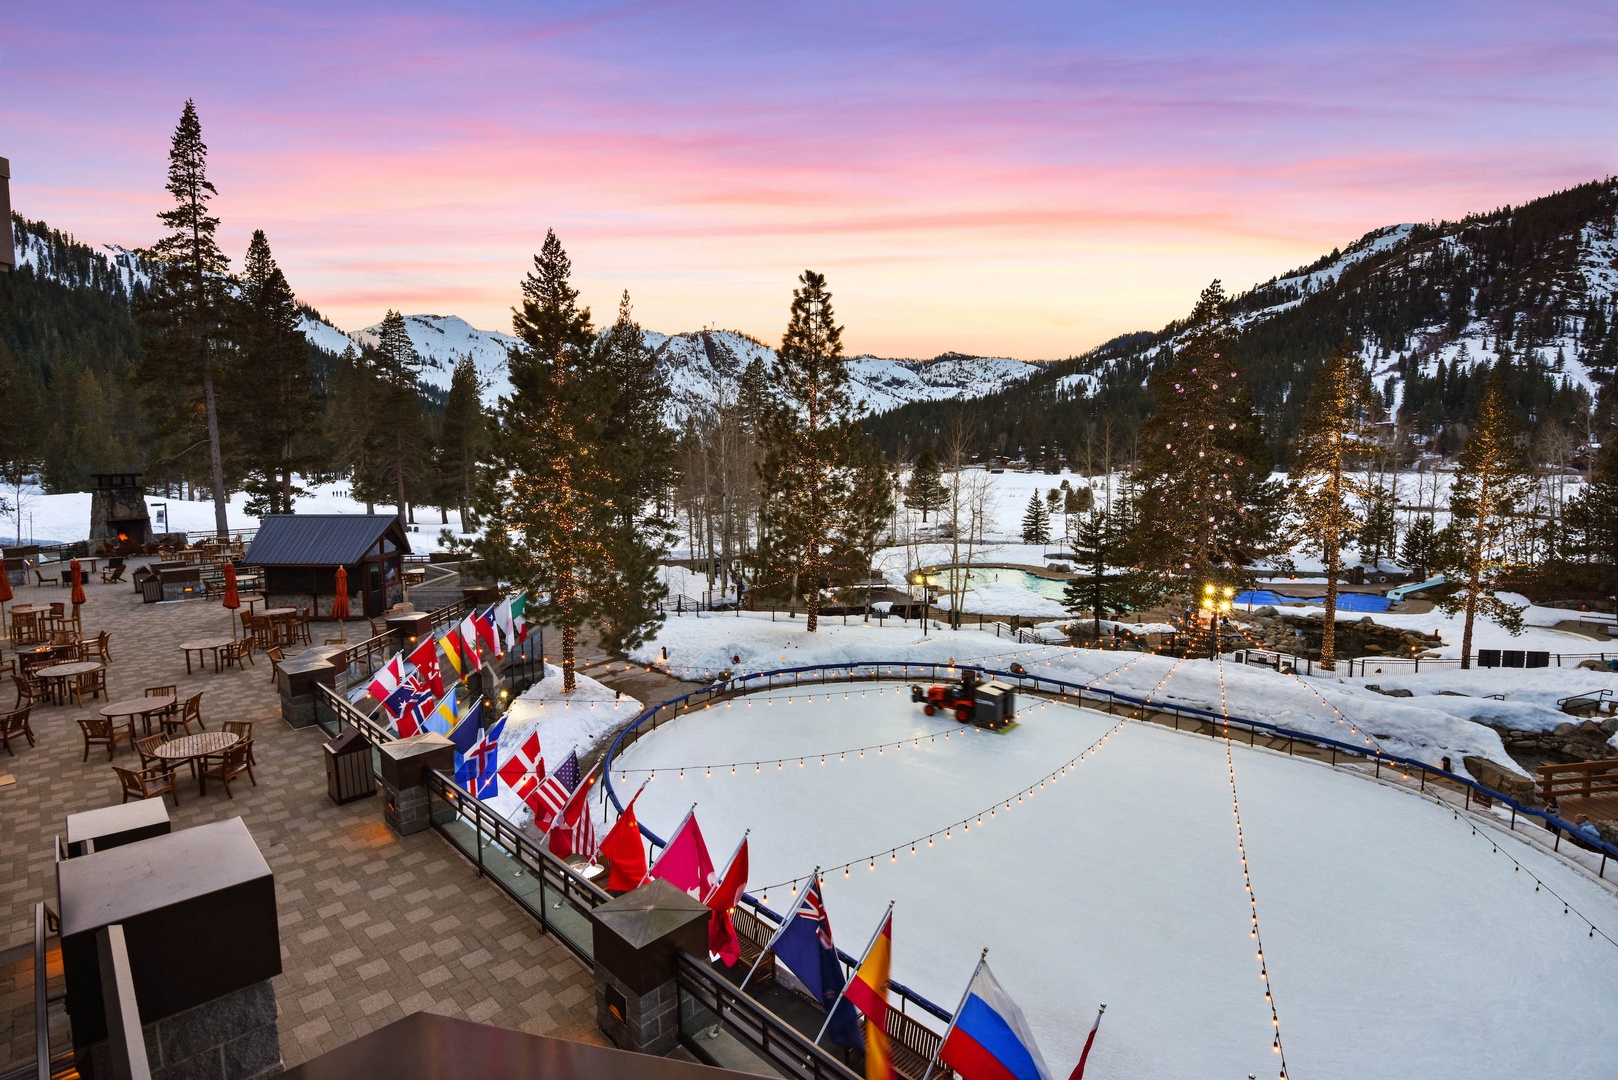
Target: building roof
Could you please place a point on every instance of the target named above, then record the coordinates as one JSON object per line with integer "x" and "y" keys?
{"x": 322, "y": 539}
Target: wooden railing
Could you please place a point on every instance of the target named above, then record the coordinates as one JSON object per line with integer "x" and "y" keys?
{"x": 1578, "y": 780}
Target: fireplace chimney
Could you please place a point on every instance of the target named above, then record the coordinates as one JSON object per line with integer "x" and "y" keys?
{"x": 8, "y": 251}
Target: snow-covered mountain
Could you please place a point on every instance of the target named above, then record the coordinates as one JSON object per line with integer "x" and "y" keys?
{"x": 701, "y": 366}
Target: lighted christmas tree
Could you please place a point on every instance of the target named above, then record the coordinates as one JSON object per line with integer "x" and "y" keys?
{"x": 1206, "y": 509}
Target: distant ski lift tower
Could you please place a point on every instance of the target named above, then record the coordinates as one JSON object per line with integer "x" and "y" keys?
{"x": 8, "y": 252}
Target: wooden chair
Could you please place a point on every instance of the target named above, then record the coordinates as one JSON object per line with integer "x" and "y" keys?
{"x": 101, "y": 731}
{"x": 15, "y": 723}
{"x": 149, "y": 761}
{"x": 192, "y": 711}
{"x": 42, "y": 580}
{"x": 27, "y": 691}
{"x": 172, "y": 691}
{"x": 147, "y": 783}
{"x": 229, "y": 764}
{"x": 243, "y": 729}
{"x": 93, "y": 683}
{"x": 300, "y": 627}
{"x": 103, "y": 647}
{"x": 237, "y": 652}
{"x": 277, "y": 656}
{"x": 58, "y": 609}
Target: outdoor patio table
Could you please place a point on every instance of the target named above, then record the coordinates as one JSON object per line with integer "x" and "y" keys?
{"x": 58, "y": 675}
{"x": 25, "y": 623}
{"x": 281, "y": 617}
{"x": 143, "y": 707}
{"x": 200, "y": 646}
{"x": 193, "y": 748}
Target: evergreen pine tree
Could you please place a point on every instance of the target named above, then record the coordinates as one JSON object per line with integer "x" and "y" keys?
{"x": 402, "y": 446}
{"x": 273, "y": 406}
{"x": 463, "y": 436}
{"x": 869, "y": 512}
{"x": 1036, "y": 521}
{"x": 1491, "y": 484}
{"x": 1206, "y": 508}
{"x": 926, "y": 491}
{"x": 1420, "y": 548}
{"x": 354, "y": 426}
{"x": 1379, "y": 528}
{"x": 808, "y": 439}
{"x": 1104, "y": 587}
{"x": 1595, "y": 515}
{"x": 183, "y": 315}
{"x": 551, "y": 502}
{"x": 1327, "y": 495}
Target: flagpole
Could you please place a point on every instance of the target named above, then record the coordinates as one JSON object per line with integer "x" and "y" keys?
{"x": 982, "y": 957}
{"x": 1078, "y": 1070}
{"x": 883, "y": 990}
{"x": 779, "y": 930}
{"x": 672, "y": 835}
{"x": 720, "y": 880}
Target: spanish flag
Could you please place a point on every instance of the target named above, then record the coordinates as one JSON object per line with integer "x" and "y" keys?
{"x": 868, "y": 992}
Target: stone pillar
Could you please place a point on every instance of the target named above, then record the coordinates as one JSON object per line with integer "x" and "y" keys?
{"x": 409, "y": 628}
{"x": 637, "y": 938}
{"x": 405, "y": 765}
{"x": 197, "y": 908}
{"x": 296, "y": 680}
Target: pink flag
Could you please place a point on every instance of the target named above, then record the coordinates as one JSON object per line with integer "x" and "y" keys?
{"x": 685, "y": 863}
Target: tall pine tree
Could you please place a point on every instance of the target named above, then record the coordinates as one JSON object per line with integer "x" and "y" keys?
{"x": 1206, "y": 508}
{"x": 926, "y": 491}
{"x": 808, "y": 438}
{"x": 1492, "y": 482}
{"x": 402, "y": 444}
{"x": 1036, "y": 521}
{"x": 463, "y": 436}
{"x": 273, "y": 405}
{"x": 183, "y": 315}
{"x": 1327, "y": 494}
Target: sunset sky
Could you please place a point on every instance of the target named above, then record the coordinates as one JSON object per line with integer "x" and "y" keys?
{"x": 996, "y": 178}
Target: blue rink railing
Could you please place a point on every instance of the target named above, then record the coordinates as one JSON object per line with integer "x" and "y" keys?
{"x": 1080, "y": 694}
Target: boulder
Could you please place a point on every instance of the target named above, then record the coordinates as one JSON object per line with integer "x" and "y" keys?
{"x": 1397, "y": 691}
{"x": 1501, "y": 779}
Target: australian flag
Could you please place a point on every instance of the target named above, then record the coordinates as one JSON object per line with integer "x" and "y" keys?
{"x": 805, "y": 946}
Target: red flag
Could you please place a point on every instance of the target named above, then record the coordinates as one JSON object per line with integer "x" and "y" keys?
{"x": 425, "y": 661}
{"x": 526, "y": 761}
{"x": 623, "y": 851}
{"x": 685, "y": 863}
{"x": 722, "y": 939}
{"x": 1078, "y": 1070}
{"x": 573, "y": 833}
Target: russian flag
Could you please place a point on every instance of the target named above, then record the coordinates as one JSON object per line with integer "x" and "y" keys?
{"x": 990, "y": 1039}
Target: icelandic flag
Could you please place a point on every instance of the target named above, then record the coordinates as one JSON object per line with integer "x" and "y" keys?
{"x": 804, "y": 945}
{"x": 487, "y": 787}
{"x": 388, "y": 677}
{"x": 485, "y": 756}
{"x": 990, "y": 1039}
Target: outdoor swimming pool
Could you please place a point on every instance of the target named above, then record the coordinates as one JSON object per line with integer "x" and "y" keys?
{"x": 1049, "y": 588}
{"x": 1346, "y": 601}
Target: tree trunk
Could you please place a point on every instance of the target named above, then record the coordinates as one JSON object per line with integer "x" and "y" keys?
{"x": 216, "y": 464}
{"x": 570, "y": 636}
{"x": 1328, "y": 629}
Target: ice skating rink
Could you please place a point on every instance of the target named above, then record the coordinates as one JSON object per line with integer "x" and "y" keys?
{"x": 1398, "y": 942}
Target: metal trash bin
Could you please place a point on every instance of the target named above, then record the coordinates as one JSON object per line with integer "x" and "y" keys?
{"x": 348, "y": 768}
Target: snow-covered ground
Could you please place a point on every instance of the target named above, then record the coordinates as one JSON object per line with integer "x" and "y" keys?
{"x": 1398, "y": 943}
{"x": 65, "y": 518}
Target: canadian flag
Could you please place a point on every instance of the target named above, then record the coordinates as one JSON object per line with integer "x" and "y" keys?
{"x": 685, "y": 863}
{"x": 387, "y": 678}
{"x": 722, "y": 939}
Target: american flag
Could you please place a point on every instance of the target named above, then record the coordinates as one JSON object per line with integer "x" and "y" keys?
{"x": 573, "y": 832}
{"x": 555, "y": 790}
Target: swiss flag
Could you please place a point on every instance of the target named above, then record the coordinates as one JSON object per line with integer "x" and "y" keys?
{"x": 624, "y": 853}
{"x": 425, "y": 660}
{"x": 722, "y": 939}
{"x": 525, "y": 762}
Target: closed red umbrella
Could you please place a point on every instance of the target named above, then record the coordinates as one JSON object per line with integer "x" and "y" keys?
{"x": 5, "y": 595}
{"x": 78, "y": 582}
{"x": 232, "y": 599}
{"x": 339, "y": 603}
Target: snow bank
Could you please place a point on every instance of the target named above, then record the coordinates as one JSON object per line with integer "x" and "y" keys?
{"x": 1002, "y": 599}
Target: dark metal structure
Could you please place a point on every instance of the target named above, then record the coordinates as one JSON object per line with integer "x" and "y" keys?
{"x": 300, "y": 554}
{"x": 8, "y": 249}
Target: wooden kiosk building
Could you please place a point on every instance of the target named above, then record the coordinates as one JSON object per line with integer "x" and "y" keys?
{"x": 300, "y": 553}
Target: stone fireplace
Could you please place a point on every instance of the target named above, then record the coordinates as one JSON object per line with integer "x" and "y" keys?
{"x": 118, "y": 514}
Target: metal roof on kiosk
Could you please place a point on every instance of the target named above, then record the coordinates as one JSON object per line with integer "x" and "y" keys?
{"x": 322, "y": 539}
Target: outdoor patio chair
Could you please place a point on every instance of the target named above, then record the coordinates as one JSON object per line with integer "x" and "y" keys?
{"x": 101, "y": 731}
{"x": 103, "y": 650}
{"x": 58, "y": 609}
{"x": 301, "y": 626}
{"x": 276, "y": 656}
{"x": 93, "y": 683}
{"x": 147, "y": 784}
{"x": 27, "y": 692}
{"x": 192, "y": 711}
{"x": 149, "y": 761}
{"x": 41, "y": 579}
{"x": 238, "y": 651}
{"x": 15, "y": 723}
{"x": 243, "y": 729}
{"x": 230, "y": 764}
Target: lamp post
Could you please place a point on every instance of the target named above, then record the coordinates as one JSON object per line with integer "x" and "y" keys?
{"x": 1216, "y": 601}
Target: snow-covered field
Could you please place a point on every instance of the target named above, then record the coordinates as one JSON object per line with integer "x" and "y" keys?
{"x": 1398, "y": 943}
